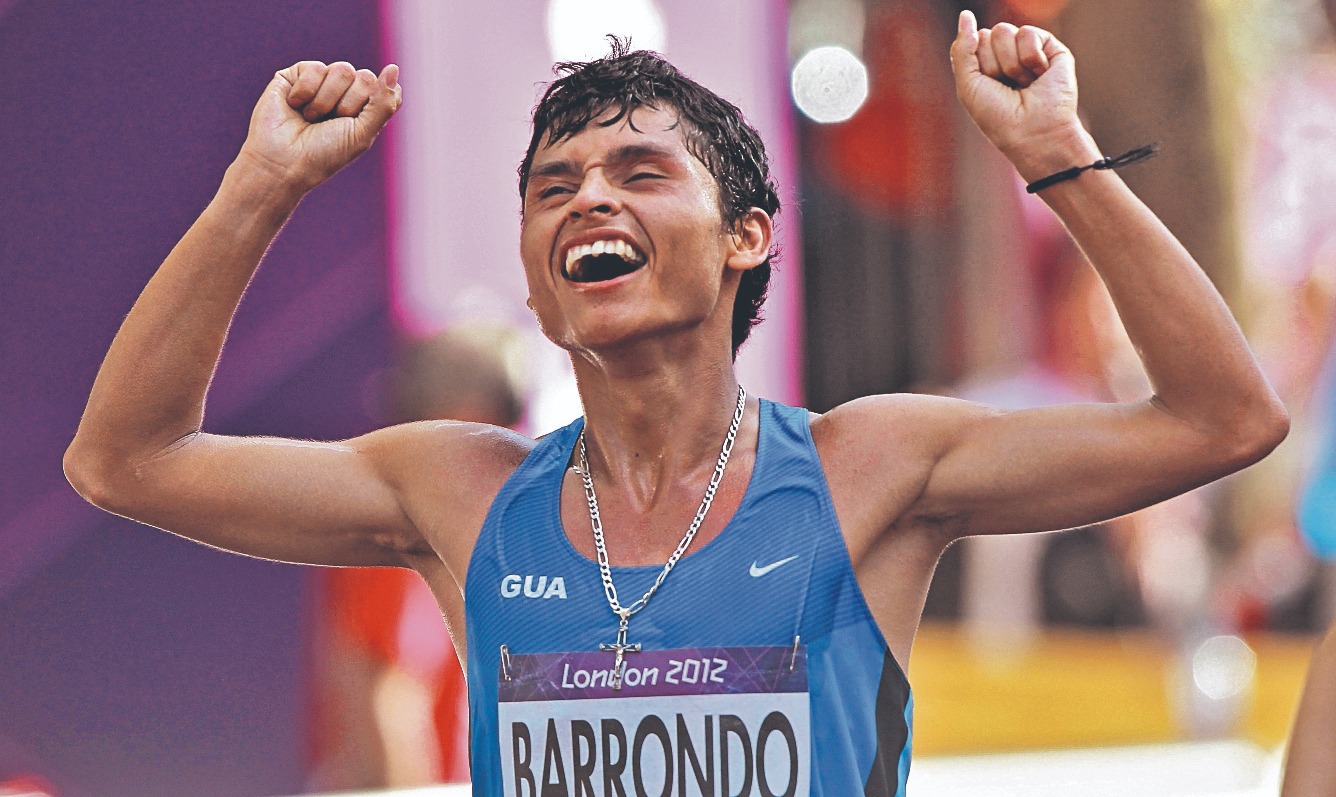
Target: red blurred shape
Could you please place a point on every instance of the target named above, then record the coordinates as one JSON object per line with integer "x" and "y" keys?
{"x": 896, "y": 153}
{"x": 26, "y": 786}
{"x": 1032, "y": 12}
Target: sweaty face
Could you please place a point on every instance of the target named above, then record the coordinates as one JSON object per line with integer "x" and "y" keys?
{"x": 622, "y": 238}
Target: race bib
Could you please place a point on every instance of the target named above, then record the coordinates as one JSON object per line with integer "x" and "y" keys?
{"x": 709, "y": 722}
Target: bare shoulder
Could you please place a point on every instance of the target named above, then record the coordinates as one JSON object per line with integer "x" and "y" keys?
{"x": 487, "y": 449}
{"x": 869, "y": 431}
{"x": 878, "y": 453}
{"x": 446, "y": 474}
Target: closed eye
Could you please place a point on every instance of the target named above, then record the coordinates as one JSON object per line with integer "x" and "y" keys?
{"x": 552, "y": 190}
{"x": 644, "y": 176}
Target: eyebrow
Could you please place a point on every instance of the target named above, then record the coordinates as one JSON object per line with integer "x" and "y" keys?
{"x": 619, "y": 157}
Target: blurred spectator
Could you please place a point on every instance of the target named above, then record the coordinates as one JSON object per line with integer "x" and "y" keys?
{"x": 390, "y": 699}
{"x": 1291, "y": 227}
{"x": 1317, "y": 510}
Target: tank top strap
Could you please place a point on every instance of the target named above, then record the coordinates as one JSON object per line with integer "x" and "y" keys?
{"x": 534, "y": 486}
{"x": 789, "y": 440}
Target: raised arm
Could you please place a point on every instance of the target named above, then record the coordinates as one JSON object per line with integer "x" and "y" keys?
{"x": 978, "y": 470}
{"x": 140, "y": 451}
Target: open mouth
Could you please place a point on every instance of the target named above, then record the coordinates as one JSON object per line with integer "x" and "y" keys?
{"x": 601, "y": 261}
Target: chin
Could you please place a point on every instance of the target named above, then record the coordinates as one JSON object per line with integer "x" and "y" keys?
{"x": 611, "y": 322}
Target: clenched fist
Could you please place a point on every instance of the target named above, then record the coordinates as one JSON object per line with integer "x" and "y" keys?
{"x": 313, "y": 119}
{"x": 1019, "y": 86}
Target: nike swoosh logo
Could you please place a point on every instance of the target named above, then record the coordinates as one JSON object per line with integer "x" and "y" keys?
{"x": 757, "y": 572}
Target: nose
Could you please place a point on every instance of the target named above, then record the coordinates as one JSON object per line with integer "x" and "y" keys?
{"x": 595, "y": 196}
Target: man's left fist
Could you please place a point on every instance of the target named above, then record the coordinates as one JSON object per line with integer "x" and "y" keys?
{"x": 1018, "y": 84}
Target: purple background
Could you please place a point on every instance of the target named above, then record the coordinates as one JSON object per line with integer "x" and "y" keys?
{"x": 132, "y": 662}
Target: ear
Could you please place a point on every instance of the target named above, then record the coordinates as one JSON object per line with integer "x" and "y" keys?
{"x": 749, "y": 240}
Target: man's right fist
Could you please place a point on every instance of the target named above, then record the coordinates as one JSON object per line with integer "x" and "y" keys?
{"x": 313, "y": 119}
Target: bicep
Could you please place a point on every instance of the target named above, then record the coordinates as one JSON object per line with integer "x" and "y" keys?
{"x": 326, "y": 503}
{"x": 1001, "y": 472}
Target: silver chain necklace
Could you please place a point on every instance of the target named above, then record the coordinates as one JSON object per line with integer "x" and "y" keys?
{"x": 623, "y": 613}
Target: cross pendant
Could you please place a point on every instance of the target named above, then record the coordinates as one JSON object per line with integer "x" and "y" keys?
{"x": 621, "y": 648}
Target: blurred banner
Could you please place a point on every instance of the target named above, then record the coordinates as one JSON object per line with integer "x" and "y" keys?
{"x": 133, "y": 662}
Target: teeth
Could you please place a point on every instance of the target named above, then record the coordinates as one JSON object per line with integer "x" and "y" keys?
{"x": 608, "y": 247}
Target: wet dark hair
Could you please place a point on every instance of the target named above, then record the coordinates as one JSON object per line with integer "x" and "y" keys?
{"x": 716, "y": 134}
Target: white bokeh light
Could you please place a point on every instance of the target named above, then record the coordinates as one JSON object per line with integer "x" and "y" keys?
{"x": 1223, "y": 667}
{"x": 577, "y": 29}
{"x": 829, "y": 84}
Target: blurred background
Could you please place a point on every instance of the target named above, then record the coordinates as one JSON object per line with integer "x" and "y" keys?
{"x": 1161, "y": 653}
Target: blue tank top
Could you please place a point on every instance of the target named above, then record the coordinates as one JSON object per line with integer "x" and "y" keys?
{"x": 761, "y": 670}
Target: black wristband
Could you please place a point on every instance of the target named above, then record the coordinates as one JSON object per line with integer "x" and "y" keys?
{"x": 1126, "y": 159}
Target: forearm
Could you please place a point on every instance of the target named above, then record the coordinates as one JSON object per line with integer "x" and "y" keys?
{"x": 1194, "y": 353}
{"x": 150, "y": 390}
{"x": 1310, "y": 765}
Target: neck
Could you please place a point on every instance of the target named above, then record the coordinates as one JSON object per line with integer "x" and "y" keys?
{"x": 653, "y": 419}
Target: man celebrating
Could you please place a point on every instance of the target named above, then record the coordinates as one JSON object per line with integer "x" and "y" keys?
{"x": 689, "y": 590}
